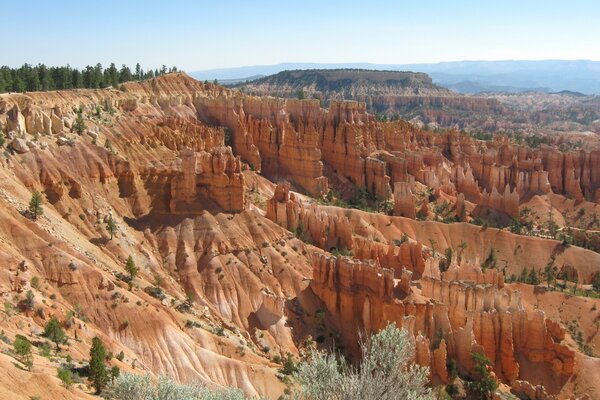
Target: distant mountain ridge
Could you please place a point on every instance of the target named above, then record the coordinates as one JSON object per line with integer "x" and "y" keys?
{"x": 464, "y": 76}
{"x": 344, "y": 84}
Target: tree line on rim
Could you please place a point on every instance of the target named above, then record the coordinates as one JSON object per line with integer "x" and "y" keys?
{"x": 29, "y": 78}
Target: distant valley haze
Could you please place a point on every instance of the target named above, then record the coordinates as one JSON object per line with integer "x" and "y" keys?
{"x": 581, "y": 76}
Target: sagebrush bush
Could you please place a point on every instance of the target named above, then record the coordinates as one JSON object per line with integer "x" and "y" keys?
{"x": 141, "y": 387}
{"x": 387, "y": 372}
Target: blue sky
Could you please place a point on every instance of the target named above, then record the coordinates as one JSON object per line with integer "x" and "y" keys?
{"x": 198, "y": 35}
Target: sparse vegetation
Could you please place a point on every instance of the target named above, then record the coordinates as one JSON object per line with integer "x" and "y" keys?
{"x": 386, "y": 372}
{"x": 143, "y": 387}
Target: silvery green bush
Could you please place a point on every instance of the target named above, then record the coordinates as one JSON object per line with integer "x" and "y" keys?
{"x": 387, "y": 372}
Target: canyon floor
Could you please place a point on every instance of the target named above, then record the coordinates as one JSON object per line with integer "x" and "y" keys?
{"x": 263, "y": 227}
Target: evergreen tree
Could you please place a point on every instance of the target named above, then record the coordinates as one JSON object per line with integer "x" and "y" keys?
{"x": 79, "y": 124}
{"x": 77, "y": 79}
{"x": 550, "y": 273}
{"x": 99, "y": 77}
{"x": 524, "y": 275}
{"x": 114, "y": 373}
{"x": 46, "y": 78}
{"x": 3, "y": 85}
{"x": 131, "y": 268}
{"x": 125, "y": 74}
{"x": 533, "y": 277}
{"x": 22, "y": 348}
{"x": 98, "y": 371}
{"x": 41, "y": 77}
{"x": 113, "y": 75}
{"x": 111, "y": 226}
{"x": 18, "y": 82}
{"x": 596, "y": 282}
{"x": 88, "y": 77}
{"x": 29, "y": 296}
{"x": 35, "y": 205}
{"x": 483, "y": 384}
{"x": 54, "y": 331}
{"x": 65, "y": 73}
{"x": 138, "y": 72}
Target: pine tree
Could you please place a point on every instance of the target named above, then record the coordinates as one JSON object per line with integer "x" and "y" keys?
{"x": 113, "y": 75}
{"x": 483, "y": 384}
{"x": 124, "y": 74}
{"x": 550, "y": 272}
{"x": 131, "y": 268}
{"x": 533, "y": 277}
{"x": 111, "y": 226}
{"x": 54, "y": 331}
{"x": 98, "y": 371}
{"x": 524, "y": 275}
{"x": 35, "y": 205}
{"x": 77, "y": 78}
{"x": 138, "y": 72}
{"x": 79, "y": 124}
{"x": 41, "y": 77}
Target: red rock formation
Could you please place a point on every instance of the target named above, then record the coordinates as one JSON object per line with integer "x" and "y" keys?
{"x": 404, "y": 199}
{"x": 468, "y": 316}
{"x": 214, "y": 176}
{"x": 507, "y": 202}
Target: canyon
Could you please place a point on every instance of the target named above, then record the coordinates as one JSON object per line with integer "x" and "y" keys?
{"x": 413, "y": 96}
{"x": 263, "y": 225}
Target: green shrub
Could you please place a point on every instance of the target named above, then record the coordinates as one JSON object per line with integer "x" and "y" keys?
{"x": 66, "y": 376}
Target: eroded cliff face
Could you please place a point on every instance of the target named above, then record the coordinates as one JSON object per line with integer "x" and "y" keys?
{"x": 449, "y": 318}
{"x": 299, "y": 141}
{"x": 451, "y": 314}
{"x": 229, "y": 281}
